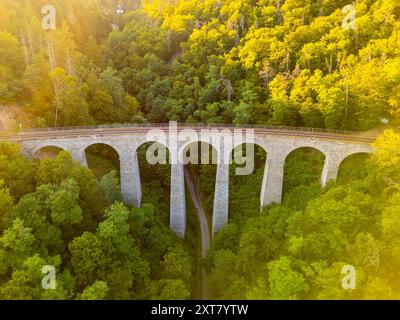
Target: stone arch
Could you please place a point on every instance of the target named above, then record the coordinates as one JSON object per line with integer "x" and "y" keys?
{"x": 203, "y": 141}
{"x": 356, "y": 156}
{"x": 255, "y": 144}
{"x": 93, "y": 152}
{"x": 174, "y": 178}
{"x": 306, "y": 146}
{"x": 203, "y": 147}
{"x": 36, "y": 153}
{"x": 143, "y": 142}
{"x": 214, "y": 160}
{"x": 152, "y": 175}
{"x": 248, "y": 176}
{"x": 154, "y": 143}
{"x": 100, "y": 142}
{"x": 307, "y": 176}
{"x": 200, "y": 159}
{"x": 359, "y": 153}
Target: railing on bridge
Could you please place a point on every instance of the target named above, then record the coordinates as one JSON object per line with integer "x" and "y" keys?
{"x": 191, "y": 125}
{"x": 266, "y": 128}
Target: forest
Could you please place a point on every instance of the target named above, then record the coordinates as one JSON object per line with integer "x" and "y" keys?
{"x": 301, "y": 63}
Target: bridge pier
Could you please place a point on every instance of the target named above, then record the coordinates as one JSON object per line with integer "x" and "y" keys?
{"x": 131, "y": 188}
{"x": 331, "y": 168}
{"x": 272, "y": 184}
{"x": 221, "y": 198}
{"x": 178, "y": 202}
{"x": 78, "y": 154}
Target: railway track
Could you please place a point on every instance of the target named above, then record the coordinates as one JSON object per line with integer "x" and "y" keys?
{"x": 72, "y": 132}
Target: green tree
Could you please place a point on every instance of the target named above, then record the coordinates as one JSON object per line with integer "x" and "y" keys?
{"x": 97, "y": 291}
{"x": 284, "y": 282}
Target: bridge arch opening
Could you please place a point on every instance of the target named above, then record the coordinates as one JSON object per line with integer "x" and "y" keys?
{"x": 245, "y": 185}
{"x": 155, "y": 178}
{"x": 303, "y": 170}
{"x": 199, "y": 152}
{"x": 102, "y": 159}
{"x": 353, "y": 167}
{"x": 48, "y": 152}
{"x": 200, "y": 159}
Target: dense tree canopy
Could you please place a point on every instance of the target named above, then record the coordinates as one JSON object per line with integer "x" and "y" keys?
{"x": 266, "y": 62}
{"x": 64, "y": 217}
{"x": 280, "y": 62}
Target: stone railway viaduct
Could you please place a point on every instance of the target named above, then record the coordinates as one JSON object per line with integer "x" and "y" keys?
{"x": 278, "y": 143}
